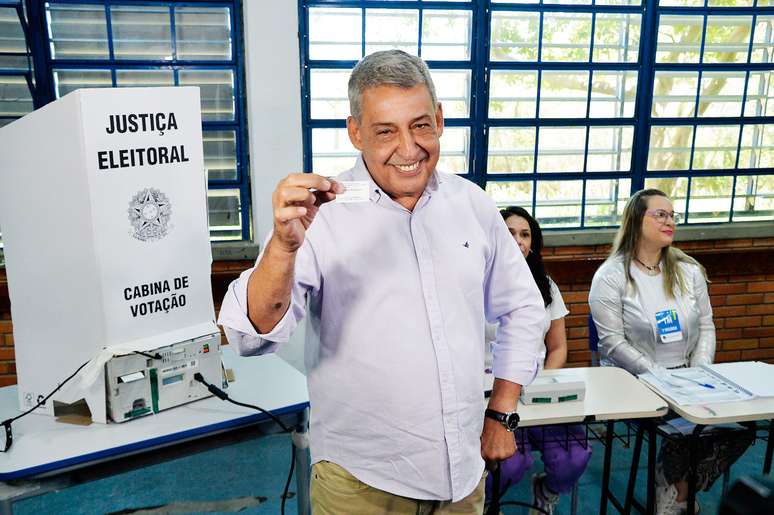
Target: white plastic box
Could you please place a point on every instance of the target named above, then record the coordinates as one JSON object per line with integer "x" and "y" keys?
{"x": 103, "y": 211}
{"x": 553, "y": 390}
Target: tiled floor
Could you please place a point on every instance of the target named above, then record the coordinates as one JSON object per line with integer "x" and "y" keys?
{"x": 248, "y": 477}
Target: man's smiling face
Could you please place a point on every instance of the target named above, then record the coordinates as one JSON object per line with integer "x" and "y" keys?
{"x": 398, "y": 134}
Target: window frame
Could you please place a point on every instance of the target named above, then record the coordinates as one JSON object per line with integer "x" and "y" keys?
{"x": 309, "y": 123}
{"x": 697, "y": 121}
{"x": 45, "y": 66}
{"x": 642, "y": 121}
{"x": 27, "y": 74}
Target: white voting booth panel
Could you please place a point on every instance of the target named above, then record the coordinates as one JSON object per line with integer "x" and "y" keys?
{"x": 103, "y": 210}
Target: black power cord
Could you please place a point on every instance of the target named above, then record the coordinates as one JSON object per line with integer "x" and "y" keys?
{"x": 495, "y": 502}
{"x": 220, "y": 394}
{"x": 7, "y": 422}
{"x": 151, "y": 356}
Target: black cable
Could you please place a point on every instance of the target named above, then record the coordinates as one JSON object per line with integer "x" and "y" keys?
{"x": 494, "y": 502}
{"x": 212, "y": 388}
{"x": 220, "y": 394}
{"x": 151, "y": 356}
{"x": 290, "y": 476}
{"x": 7, "y": 422}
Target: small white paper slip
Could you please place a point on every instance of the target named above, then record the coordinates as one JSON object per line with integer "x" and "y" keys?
{"x": 355, "y": 191}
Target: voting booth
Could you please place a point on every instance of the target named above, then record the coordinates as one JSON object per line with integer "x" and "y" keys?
{"x": 103, "y": 211}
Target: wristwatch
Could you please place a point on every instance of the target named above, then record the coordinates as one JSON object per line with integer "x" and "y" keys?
{"x": 510, "y": 420}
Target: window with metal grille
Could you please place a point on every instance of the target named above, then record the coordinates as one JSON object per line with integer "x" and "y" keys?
{"x": 113, "y": 43}
{"x": 565, "y": 107}
{"x": 15, "y": 64}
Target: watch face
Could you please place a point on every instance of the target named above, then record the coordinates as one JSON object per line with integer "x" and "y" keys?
{"x": 512, "y": 421}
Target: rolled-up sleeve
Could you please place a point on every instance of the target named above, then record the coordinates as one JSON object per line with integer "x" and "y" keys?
{"x": 240, "y": 331}
{"x": 704, "y": 353}
{"x": 512, "y": 298}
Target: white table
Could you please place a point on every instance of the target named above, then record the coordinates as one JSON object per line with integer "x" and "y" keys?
{"x": 722, "y": 413}
{"x": 43, "y": 447}
{"x": 727, "y": 412}
{"x": 611, "y": 394}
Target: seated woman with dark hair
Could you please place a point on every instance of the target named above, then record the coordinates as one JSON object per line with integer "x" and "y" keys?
{"x": 565, "y": 451}
{"x": 644, "y": 280}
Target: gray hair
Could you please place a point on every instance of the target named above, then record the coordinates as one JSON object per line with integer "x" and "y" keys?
{"x": 393, "y": 67}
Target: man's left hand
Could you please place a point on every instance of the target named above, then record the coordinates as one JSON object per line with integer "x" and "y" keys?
{"x": 497, "y": 443}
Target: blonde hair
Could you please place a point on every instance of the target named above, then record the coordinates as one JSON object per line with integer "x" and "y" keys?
{"x": 627, "y": 241}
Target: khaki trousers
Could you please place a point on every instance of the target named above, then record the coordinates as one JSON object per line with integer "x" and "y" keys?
{"x": 337, "y": 492}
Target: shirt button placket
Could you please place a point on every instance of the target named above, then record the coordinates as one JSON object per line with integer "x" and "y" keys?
{"x": 451, "y": 433}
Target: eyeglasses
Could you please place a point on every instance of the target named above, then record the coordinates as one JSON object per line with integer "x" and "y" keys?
{"x": 662, "y": 215}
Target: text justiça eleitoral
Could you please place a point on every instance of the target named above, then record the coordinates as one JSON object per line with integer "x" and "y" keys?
{"x": 143, "y": 156}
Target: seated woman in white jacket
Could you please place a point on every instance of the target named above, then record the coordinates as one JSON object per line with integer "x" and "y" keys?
{"x": 644, "y": 279}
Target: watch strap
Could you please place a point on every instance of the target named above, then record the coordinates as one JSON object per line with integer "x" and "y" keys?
{"x": 504, "y": 418}
{"x": 496, "y": 415}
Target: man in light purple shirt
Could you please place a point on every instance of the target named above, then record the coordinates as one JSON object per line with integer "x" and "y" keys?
{"x": 397, "y": 290}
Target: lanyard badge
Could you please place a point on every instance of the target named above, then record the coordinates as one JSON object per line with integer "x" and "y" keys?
{"x": 668, "y": 325}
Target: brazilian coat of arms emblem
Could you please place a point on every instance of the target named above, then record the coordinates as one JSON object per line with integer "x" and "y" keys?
{"x": 149, "y": 213}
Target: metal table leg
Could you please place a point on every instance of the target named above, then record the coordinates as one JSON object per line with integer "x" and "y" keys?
{"x": 633, "y": 470}
{"x": 650, "y": 503}
{"x": 303, "y": 468}
{"x": 692, "y": 464}
{"x": 606, "y": 467}
{"x": 769, "y": 449}
{"x": 574, "y": 499}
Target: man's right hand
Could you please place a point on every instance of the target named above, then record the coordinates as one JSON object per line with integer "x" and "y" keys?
{"x": 296, "y": 201}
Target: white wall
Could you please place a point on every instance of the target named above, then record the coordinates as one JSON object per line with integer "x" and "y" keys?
{"x": 273, "y": 100}
{"x": 273, "y": 116}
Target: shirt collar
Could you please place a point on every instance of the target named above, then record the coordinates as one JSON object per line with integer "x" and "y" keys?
{"x": 361, "y": 173}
